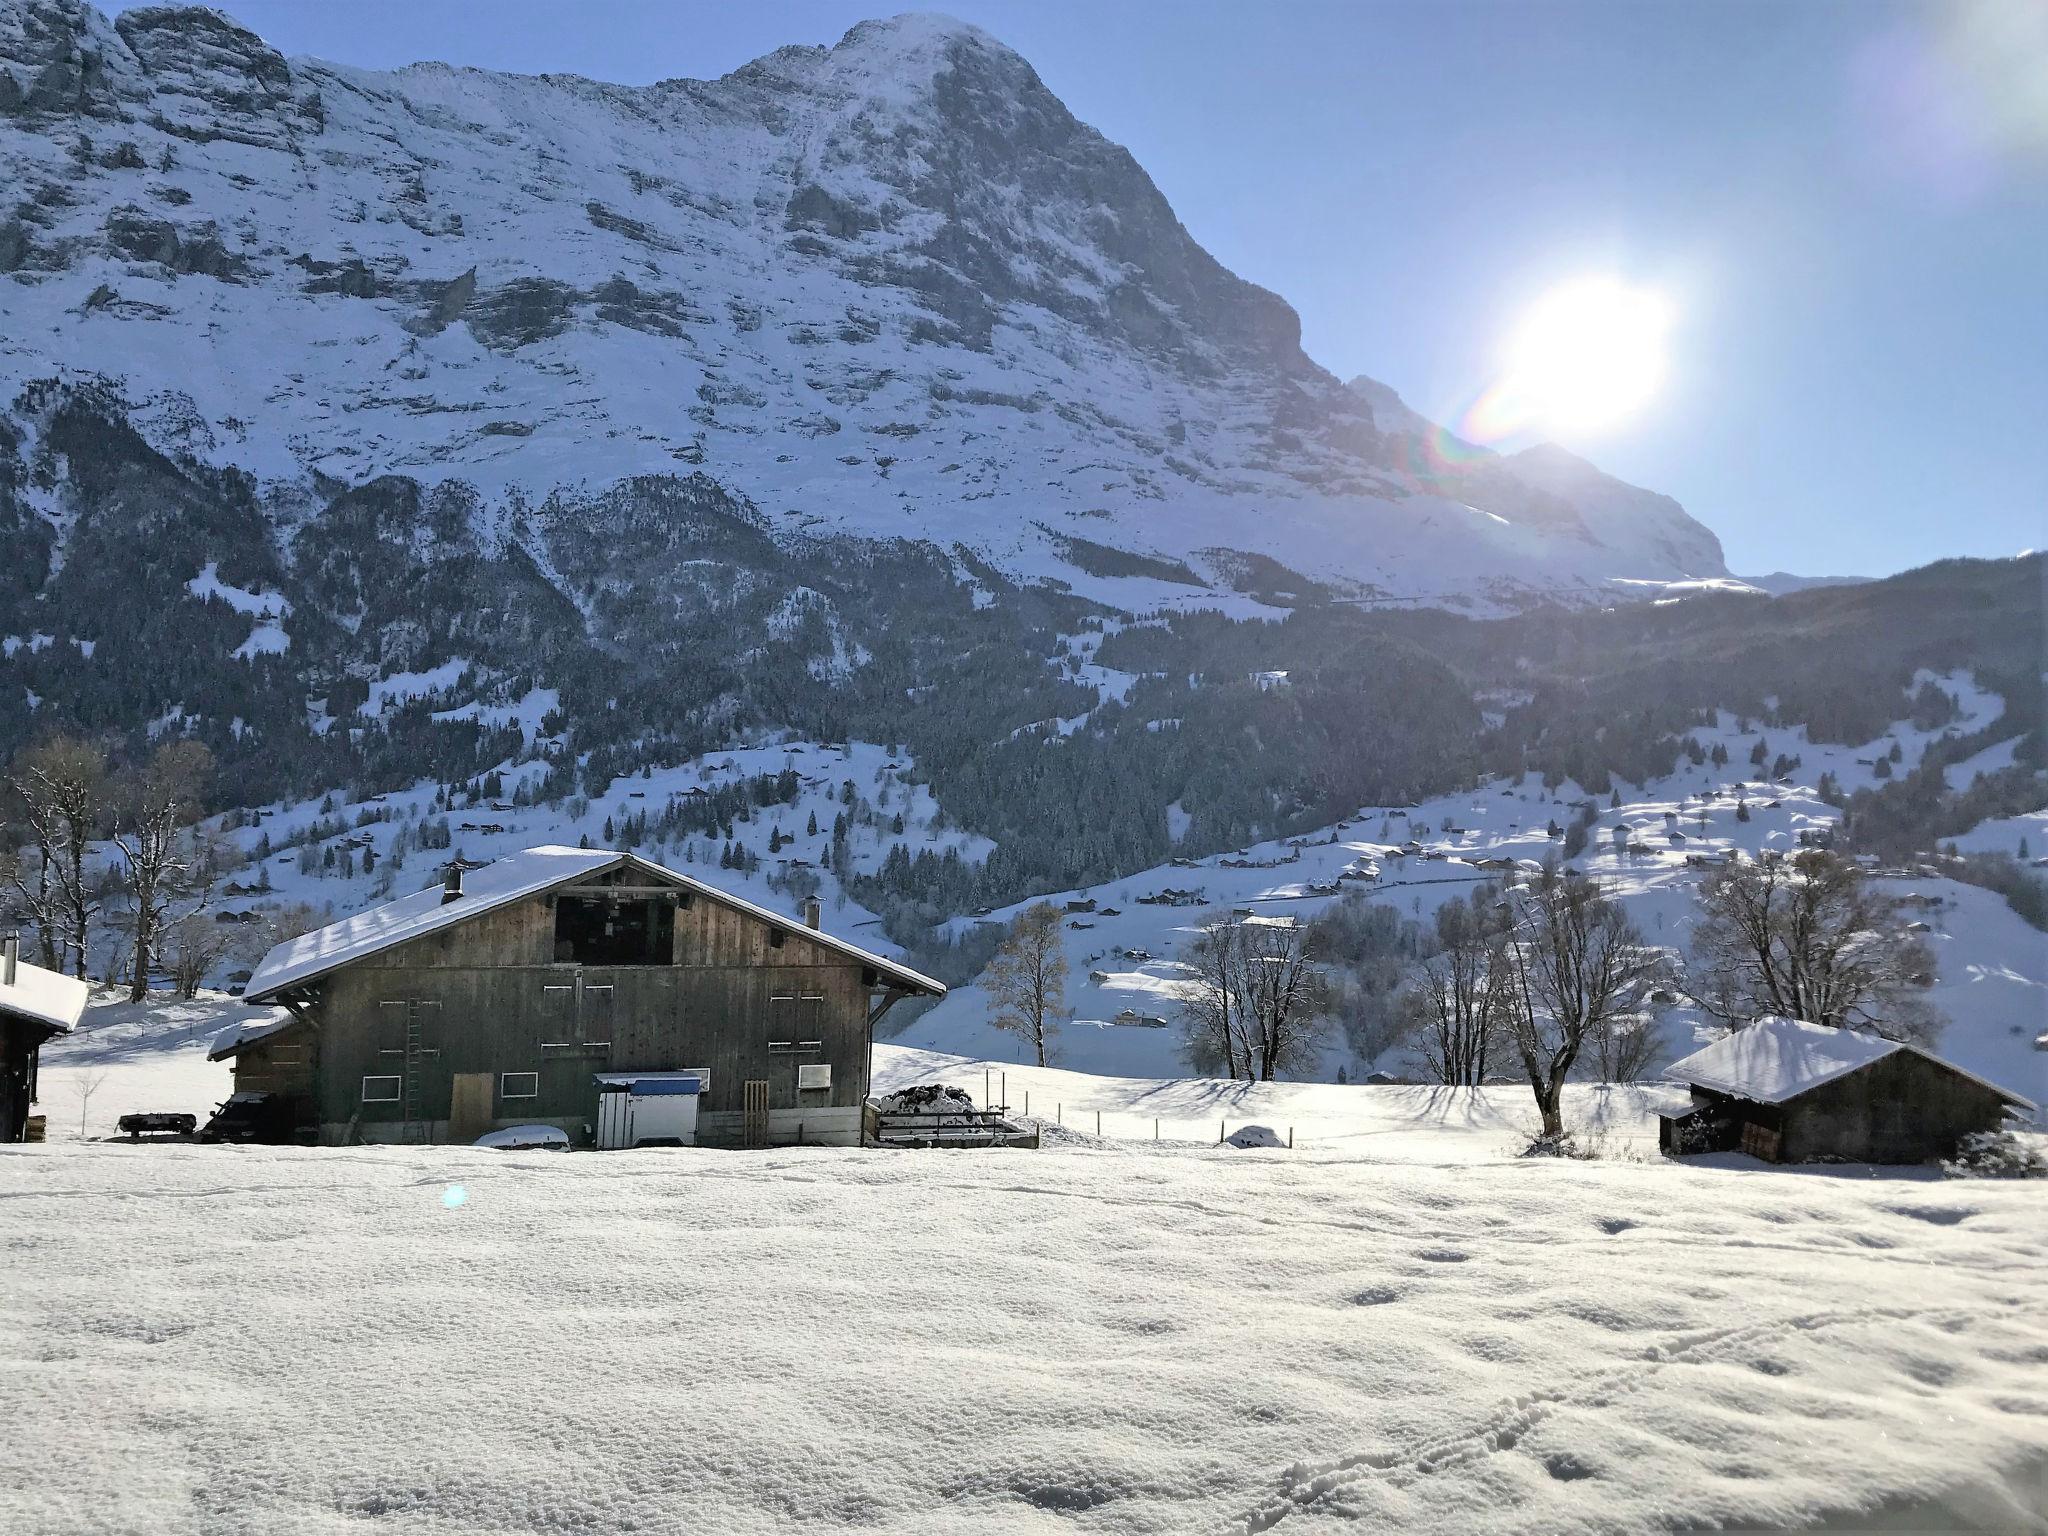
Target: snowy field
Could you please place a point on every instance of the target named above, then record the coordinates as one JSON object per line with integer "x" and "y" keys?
{"x": 1083, "y": 1338}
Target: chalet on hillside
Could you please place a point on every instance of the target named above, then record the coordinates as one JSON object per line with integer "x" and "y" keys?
{"x": 1792, "y": 1092}
{"x": 35, "y": 1006}
{"x": 566, "y": 986}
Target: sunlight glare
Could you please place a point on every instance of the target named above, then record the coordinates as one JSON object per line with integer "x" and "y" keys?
{"x": 1585, "y": 356}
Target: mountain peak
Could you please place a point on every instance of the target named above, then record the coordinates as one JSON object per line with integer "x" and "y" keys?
{"x": 892, "y": 286}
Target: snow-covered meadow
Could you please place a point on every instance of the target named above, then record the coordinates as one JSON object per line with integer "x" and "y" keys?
{"x": 1087, "y": 1337}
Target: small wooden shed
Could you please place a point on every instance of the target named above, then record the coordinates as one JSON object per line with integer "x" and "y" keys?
{"x": 35, "y": 1005}
{"x": 1788, "y": 1091}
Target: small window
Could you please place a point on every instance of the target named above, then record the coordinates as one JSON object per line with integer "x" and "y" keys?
{"x": 519, "y": 1085}
{"x": 814, "y": 1077}
{"x": 382, "y": 1090}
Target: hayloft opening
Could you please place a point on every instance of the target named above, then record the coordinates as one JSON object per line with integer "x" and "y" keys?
{"x": 596, "y": 931}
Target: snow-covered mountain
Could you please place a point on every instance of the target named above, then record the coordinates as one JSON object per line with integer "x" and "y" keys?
{"x": 890, "y": 288}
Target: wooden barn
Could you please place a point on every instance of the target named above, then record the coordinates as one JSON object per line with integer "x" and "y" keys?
{"x": 1792, "y": 1092}
{"x": 35, "y": 1004}
{"x": 575, "y": 987}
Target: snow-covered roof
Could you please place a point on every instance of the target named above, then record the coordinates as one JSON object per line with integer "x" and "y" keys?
{"x": 44, "y": 997}
{"x": 259, "y": 1024}
{"x": 512, "y": 878}
{"x": 1776, "y": 1059}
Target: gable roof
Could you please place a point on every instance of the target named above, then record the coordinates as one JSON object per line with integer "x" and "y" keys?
{"x": 498, "y": 884}
{"x": 48, "y": 998}
{"x": 1776, "y": 1059}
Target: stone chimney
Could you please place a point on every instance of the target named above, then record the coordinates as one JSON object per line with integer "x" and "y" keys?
{"x": 451, "y": 883}
{"x": 810, "y": 912}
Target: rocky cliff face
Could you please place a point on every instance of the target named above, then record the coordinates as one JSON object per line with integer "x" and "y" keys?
{"x": 890, "y": 288}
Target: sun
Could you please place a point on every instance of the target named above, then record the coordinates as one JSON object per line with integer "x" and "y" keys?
{"x": 1585, "y": 357}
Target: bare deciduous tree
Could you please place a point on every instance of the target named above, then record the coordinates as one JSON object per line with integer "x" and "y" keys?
{"x": 1257, "y": 1001}
{"x": 1808, "y": 938}
{"x": 61, "y": 788}
{"x": 1215, "y": 1027}
{"x": 1456, "y": 1005}
{"x": 157, "y": 802}
{"x": 1026, "y": 981}
{"x": 83, "y": 1087}
{"x": 1578, "y": 968}
{"x": 194, "y": 944}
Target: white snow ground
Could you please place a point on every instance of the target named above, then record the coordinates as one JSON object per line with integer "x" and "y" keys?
{"x": 1398, "y": 1325}
{"x": 1084, "y": 1338}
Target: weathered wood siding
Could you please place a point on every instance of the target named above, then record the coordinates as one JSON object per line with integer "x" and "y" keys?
{"x": 1902, "y": 1108}
{"x": 283, "y": 1063}
{"x": 487, "y": 995}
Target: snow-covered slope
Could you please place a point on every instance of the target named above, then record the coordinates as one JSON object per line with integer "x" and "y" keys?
{"x": 891, "y": 287}
{"x": 1124, "y": 955}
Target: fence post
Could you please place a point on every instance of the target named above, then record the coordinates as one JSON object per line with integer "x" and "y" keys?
{"x": 1220, "y": 1125}
{"x": 1059, "y": 1113}
{"x": 984, "y": 1088}
{"x": 1155, "y": 1127}
{"x": 1005, "y": 1082}
{"x": 1027, "y": 1103}
{"x": 1290, "y": 1138}
{"x": 1098, "y": 1124}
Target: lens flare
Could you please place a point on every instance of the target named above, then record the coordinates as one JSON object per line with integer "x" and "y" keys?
{"x": 1953, "y": 101}
{"x": 1586, "y": 355}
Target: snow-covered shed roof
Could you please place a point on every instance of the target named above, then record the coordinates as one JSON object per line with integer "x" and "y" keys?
{"x": 258, "y": 1024}
{"x": 44, "y": 997}
{"x": 499, "y": 883}
{"x": 1776, "y": 1059}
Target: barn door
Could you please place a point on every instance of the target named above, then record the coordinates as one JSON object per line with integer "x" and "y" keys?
{"x": 754, "y": 1117}
{"x": 469, "y": 1107}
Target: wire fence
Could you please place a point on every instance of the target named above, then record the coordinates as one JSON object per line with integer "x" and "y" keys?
{"x": 1114, "y": 1125}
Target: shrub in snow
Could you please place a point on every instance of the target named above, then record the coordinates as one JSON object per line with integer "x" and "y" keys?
{"x": 1564, "y": 1145}
{"x": 1256, "y": 1136}
{"x": 1998, "y": 1155}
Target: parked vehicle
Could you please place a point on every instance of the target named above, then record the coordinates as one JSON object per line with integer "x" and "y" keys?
{"x": 268, "y": 1118}
{"x": 157, "y": 1123}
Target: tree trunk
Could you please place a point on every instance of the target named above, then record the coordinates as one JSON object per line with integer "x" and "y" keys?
{"x": 138, "y": 989}
{"x": 1547, "y": 1100}
{"x": 76, "y": 895}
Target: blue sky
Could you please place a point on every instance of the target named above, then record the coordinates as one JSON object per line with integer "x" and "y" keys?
{"x": 1847, "y": 204}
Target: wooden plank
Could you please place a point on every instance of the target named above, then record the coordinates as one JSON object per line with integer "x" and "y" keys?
{"x": 756, "y": 1112}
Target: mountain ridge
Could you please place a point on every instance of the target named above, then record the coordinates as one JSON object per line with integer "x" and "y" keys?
{"x": 891, "y": 288}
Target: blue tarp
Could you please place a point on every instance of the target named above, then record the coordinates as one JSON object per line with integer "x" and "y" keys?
{"x": 658, "y": 1085}
{"x": 650, "y": 1084}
